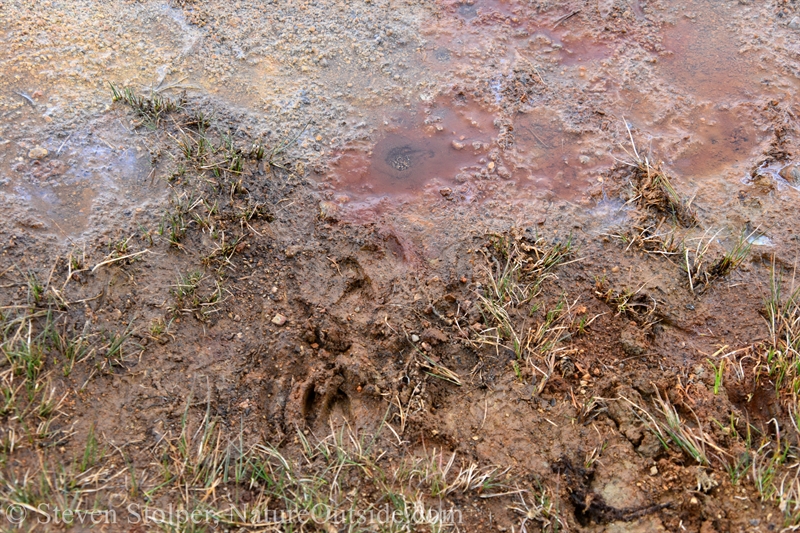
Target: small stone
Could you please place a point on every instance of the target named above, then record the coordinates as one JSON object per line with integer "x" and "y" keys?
{"x": 329, "y": 211}
{"x": 503, "y": 172}
{"x": 653, "y": 470}
{"x": 446, "y": 191}
{"x": 795, "y": 23}
{"x": 414, "y": 338}
{"x": 490, "y": 166}
{"x": 38, "y": 153}
{"x": 584, "y": 159}
{"x": 458, "y": 145}
{"x": 279, "y": 320}
{"x": 791, "y": 174}
{"x": 292, "y": 251}
{"x": 434, "y": 336}
{"x": 633, "y": 340}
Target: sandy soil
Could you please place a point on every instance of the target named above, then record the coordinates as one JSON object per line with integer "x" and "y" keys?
{"x": 331, "y": 266}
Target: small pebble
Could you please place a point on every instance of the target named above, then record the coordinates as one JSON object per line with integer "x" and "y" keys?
{"x": 414, "y": 338}
{"x": 279, "y": 320}
{"x": 38, "y": 153}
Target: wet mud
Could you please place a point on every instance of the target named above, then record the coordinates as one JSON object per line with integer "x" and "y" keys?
{"x": 553, "y": 240}
{"x": 439, "y": 144}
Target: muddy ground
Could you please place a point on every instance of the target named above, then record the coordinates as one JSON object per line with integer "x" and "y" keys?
{"x": 396, "y": 266}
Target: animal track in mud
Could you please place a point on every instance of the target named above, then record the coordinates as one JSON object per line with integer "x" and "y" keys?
{"x": 309, "y": 397}
{"x": 320, "y": 404}
{"x": 402, "y": 158}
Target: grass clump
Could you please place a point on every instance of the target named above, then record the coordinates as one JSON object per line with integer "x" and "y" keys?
{"x": 732, "y": 259}
{"x": 636, "y": 305}
{"x": 222, "y": 181}
{"x": 338, "y": 482}
{"x": 780, "y": 354}
{"x": 670, "y": 428}
{"x": 191, "y": 300}
{"x": 702, "y": 271}
{"x": 150, "y": 108}
{"x": 650, "y": 237}
{"x": 517, "y": 266}
{"x": 654, "y": 191}
{"x": 541, "y": 507}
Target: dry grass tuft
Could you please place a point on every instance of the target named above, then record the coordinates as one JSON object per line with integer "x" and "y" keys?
{"x": 516, "y": 267}
{"x": 654, "y": 191}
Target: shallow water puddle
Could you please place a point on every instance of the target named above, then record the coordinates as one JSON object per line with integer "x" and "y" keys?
{"x": 548, "y": 158}
{"x": 434, "y": 144}
{"x": 92, "y": 174}
{"x": 535, "y": 80}
{"x": 702, "y": 143}
{"x": 496, "y": 30}
{"x": 707, "y": 55}
{"x": 451, "y": 147}
{"x": 53, "y": 97}
{"x": 714, "y": 75}
{"x": 721, "y": 138}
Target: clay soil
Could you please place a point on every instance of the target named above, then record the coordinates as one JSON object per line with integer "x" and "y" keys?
{"x": 396, "y": 266}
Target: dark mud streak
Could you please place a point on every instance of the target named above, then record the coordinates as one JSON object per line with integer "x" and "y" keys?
{"x": 404, "y": 158}
{"x": 590, "y": 506}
